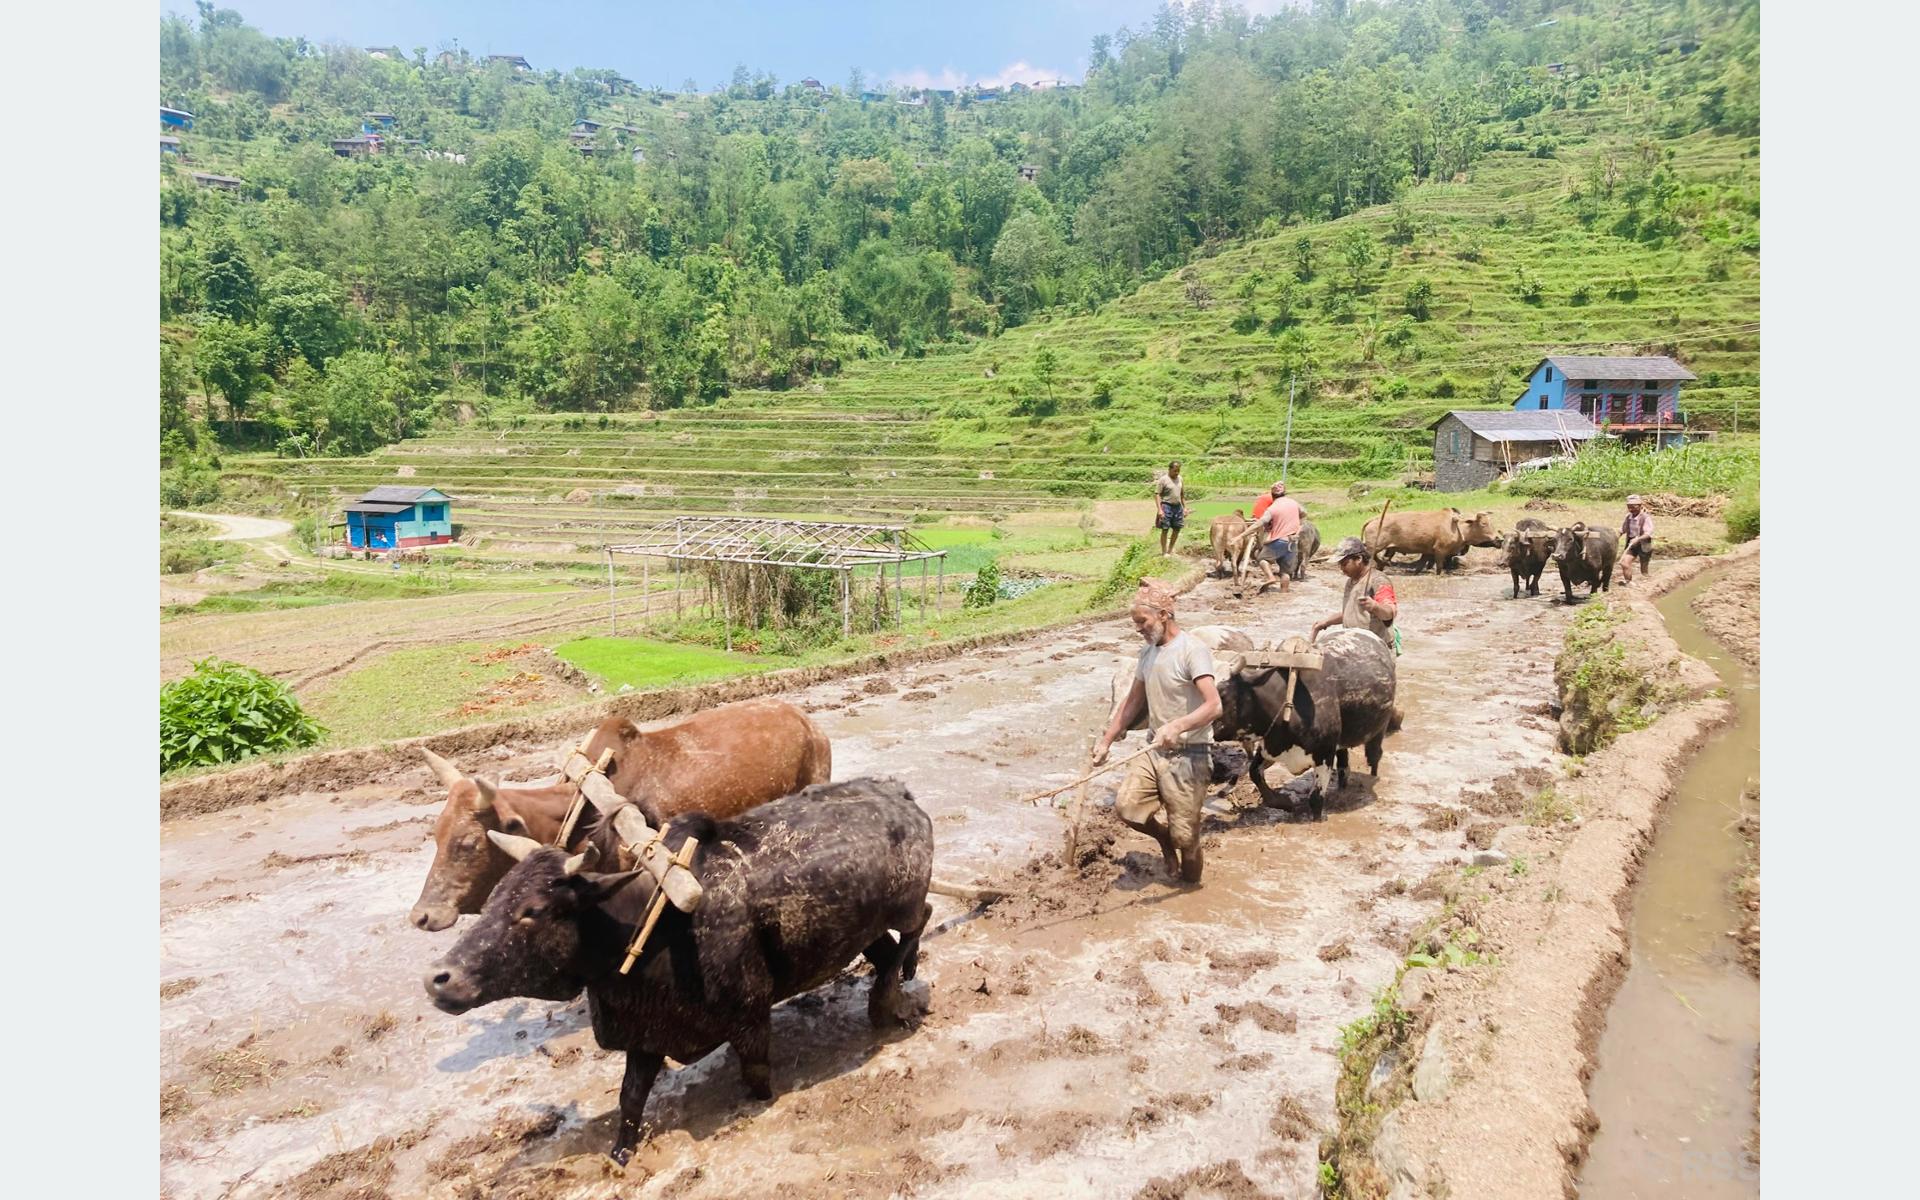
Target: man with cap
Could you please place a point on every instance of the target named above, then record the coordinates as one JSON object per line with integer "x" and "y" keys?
{"x": 1368, "y": 601}
{"x": 1164, "y": 788}
{"x": 1636, "y": 539}
{"x": 1170, "y": 492}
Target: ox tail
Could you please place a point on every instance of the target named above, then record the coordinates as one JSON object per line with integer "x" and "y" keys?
{"x": 961, "y": 891}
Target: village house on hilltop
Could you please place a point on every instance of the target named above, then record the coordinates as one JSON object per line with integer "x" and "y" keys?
{"x": 1636, "y": 399}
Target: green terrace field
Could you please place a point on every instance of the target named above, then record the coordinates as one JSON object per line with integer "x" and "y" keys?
{"x": 1193, "y": 366}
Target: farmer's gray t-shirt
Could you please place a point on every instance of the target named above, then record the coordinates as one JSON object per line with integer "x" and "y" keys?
{"x": 1168, "y": 672}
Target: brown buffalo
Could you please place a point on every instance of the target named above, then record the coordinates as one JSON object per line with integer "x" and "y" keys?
{"x": 1225, "y": 533}
{"x": 721, "y": 762}
{"x": 1438, "y": 536}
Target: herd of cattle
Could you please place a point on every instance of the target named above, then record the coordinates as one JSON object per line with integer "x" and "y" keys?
{"x": 801, "y": 875}
{"x": 1438, "y": 538}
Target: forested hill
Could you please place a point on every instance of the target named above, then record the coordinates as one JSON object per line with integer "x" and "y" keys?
{"x": 774, "y": 233}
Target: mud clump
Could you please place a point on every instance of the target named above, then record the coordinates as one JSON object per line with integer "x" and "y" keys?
{"x": 1223, "y": 1179}
{"x": 1441, "y": 819}
{"x": 173, "y": 989}
{"x": 1291, "y": 1121}
{"x": 1247, "y": 1062}
{"x": 510, "y": 1132}
{"x": 362, "y": 1173}
{"x": 1236, "y": 968}
{"x": 1263, "y": 1015}
{"x": 277, "y": 861}
{"x": 878, "y": 687}
{"x": 1480, "y": 834}
{"x": 919, "y": 695}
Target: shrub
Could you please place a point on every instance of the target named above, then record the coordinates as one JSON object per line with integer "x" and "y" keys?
{"x": 182, "y": 558}
{"x": 1743, "y": 517}
{"x": 1420, "y": 300}
{"x": 1580, "y": 296}
{"x": 1125, "y": 575}
{"x": 1446, "y": 387}
{"x": 985, "y": 588}
{"x": 225, "y": 712}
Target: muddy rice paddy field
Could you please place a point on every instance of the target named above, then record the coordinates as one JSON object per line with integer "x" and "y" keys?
{"x": 1102, "y": 1033}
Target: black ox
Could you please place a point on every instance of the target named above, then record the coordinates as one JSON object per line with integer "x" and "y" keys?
{"x": 795, "y": 890}
{"x": 1347, "y": 702}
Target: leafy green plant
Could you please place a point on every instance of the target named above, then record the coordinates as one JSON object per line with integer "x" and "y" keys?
{"x": 985, "y": 588}
{"x": 225, "y": 712}
{"x": 1125, "y": 575}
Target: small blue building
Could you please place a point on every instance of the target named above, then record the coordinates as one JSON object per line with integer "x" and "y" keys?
{"x": 1636, "y": 399}
{"x": 173, "y": 118}
{"x": 394, "y": 518}
{"x": 374, "y": 122}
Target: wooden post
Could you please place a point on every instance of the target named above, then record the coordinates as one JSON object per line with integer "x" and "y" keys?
{"x": 726, "y": 612}
{"x": 646, "y": 591}
{"x": 846, "y": 602}
{"x": 923, "y": 592}
{"x": 940, "y": 583}
{"x": 612, "y": 613}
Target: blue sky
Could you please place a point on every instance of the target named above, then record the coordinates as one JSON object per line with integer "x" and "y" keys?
{"x": 921, "y": 43}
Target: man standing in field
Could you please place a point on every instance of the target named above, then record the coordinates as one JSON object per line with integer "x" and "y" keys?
{"x": 1280, "y": 526}
{"x": 1636, "y": 539}
{"x": 1165, "y": 787}
{"x": 1170, "y": 492}
{"x": 1368, "y": 601}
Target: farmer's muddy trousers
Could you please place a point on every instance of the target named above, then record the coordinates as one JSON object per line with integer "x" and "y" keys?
{"x": 1175, "y": 783}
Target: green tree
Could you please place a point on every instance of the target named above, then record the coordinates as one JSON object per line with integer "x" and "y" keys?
{"x": 364, "y": 403}
{"x": 1027, "y": 260}
{"x": 1303, "y": 258}
{"x": 229, "y": 287}
{"x": 1357, "y": 254}
{"x": 1419, "y": 302}
{"x": 1045, "y": 367}
{"x": 231, "y": 360}
{"x": 304, "y": 315}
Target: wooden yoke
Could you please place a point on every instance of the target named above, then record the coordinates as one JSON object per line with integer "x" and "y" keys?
{"x": 1294, "y": 655}
{"x": 639, "y": 839}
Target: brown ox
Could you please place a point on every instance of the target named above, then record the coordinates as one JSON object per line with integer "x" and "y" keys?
{"x": 722, "y": 762}
{"x": 1437, "y": 536}
{"x": 1224, "y": 533}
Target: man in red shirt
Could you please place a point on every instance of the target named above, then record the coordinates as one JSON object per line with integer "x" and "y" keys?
{"x": 1273, "y": 493}
{"x": 1281, "y": 526}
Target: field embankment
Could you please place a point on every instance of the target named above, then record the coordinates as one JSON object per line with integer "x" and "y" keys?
{"x": 1473, "y": 1079}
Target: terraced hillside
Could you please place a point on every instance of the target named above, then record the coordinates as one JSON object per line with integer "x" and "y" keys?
{"x": 1521, "y": 260}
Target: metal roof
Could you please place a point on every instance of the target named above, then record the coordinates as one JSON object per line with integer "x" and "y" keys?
{"x": 1510, "y": 425}
{"x": 1604, "y": 367}
{"x": 396, "y": 494}
{"x": 363, "y": 506}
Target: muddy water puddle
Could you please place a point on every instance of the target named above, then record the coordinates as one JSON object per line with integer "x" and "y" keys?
{"x": 1674, "y": 1086}
{"x": 1135, "y": 1031}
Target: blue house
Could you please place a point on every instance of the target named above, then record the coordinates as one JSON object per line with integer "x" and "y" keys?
{"x": 376, "y": 121}
{"x": 173, "y": 118}
{"x": 1636, "y": 399}
{"x": 393, "y": 518}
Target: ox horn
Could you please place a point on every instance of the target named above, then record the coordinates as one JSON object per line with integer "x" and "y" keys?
{"x": 489, "y": 792}
{"x": 581, "y": 861}
{"x": 443, "y": 770}
{"x": 517, "y": 847}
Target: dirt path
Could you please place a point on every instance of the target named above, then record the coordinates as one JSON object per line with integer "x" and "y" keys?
{"x": 241, "y": 529}
{"x": 1108, "y": 1036}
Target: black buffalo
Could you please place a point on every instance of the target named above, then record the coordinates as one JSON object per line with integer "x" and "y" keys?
{"x": 1347, "y": 702}
{"x": 1586, "y": 556}
{"x": 1305, "y": 547}
{"x": 795, "y": 891}
{"x": 1529, "y": 549}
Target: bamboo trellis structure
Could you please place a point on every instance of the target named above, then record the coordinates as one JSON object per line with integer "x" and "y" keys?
{"x": 797, "y": 545}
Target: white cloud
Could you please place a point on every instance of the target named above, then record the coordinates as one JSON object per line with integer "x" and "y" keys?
{"x": 1021, "y": 71}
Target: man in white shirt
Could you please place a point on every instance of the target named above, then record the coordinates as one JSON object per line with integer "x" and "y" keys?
{"x": 1165, "y": 788}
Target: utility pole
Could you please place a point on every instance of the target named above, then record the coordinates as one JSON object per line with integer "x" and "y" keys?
{"x": 1286, "y": 454}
